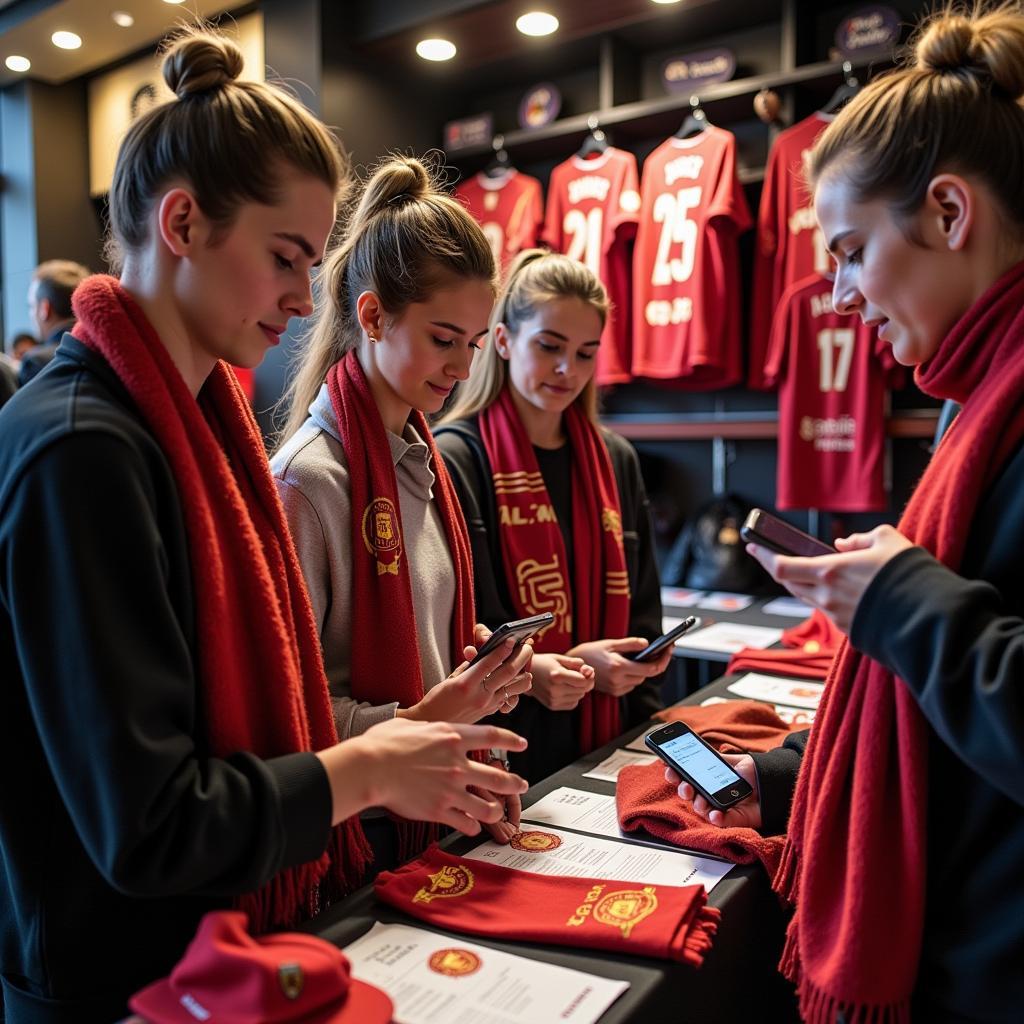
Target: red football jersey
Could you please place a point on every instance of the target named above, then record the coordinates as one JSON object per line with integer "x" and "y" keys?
{"x": 686, "y": 278}
{"x": 591, "y": 216}
{"x": 509, "y": 209}
{"x": 790, "y": 246}
{"x": 833, "y": 373}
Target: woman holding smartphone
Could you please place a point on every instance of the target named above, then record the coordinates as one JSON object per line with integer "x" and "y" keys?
{"x": 557, "y": 513}
{"x": 906, "y": 834}
{"x": 377, "y": 526}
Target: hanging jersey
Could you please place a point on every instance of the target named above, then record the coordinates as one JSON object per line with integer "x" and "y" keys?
{"x": 509, "y": 210}
{"x": 686, "y": 279}
{"x": 789, "y": 246}
{"x": 832, "y": 372}
{"x": 591, "y": 216}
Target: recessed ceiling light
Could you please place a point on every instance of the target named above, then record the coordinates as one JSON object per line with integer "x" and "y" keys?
{"x": 66, "y": 40}
{"x": 122, "y": 19}
{"x": 174, "y": 1}
{"x": 666, "y": 2}
{"x": 436, "y": 49}
{"x": 537, "y": 23}
{"x": 16, "y": 63}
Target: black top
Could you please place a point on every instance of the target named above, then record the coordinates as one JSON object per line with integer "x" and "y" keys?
{"x": 957, "y": 641}
{"x": 118, "y": 830}
{"x": 554, "y": 735}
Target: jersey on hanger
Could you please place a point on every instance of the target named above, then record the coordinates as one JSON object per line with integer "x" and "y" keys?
{"x": 833, "y": 373}
{"x": 591, "y": 216}
{"x": 789, "y": 246}
{"x": 509, "y": 210}
{"x": 686, "y": 278}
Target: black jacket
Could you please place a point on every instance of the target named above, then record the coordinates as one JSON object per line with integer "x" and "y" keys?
{"x": 118, "y": 830}
{"x": 957, "y": 641}
{"x": 553, "y": 735}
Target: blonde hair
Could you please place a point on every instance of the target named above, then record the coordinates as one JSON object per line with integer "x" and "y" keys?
{"x": 405, "y": 238}
{"x": 228, "y": 139}
{"x": 955, "y": 106}
{"x": 535, "y": 277}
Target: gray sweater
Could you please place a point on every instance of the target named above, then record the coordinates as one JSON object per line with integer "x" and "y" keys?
{"x": 313, "y": 480}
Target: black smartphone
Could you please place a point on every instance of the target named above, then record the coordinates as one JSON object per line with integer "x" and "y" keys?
{"x": 771, "y": 532}
{"x": 520, "y": 629}
{"x": 699, "y": 764}
{"x": 656, "y": 647}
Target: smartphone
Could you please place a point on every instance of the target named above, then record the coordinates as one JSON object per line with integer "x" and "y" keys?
{"x": 520, "y": 629}
{"x": 699, "y": 764}
{"x": 771, "y": 532}
{"x": 655, "y": 647}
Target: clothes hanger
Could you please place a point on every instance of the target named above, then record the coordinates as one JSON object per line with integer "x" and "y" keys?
{"x": 696, "y": 120}
{"x": 500, "y": 163}
{"x": 595, "y": 143}
{"x": 847, "y": 89}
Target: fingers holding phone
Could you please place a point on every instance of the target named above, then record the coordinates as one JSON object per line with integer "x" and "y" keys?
{"x": 615, "y": 673}
{"x": 746, "y": 814}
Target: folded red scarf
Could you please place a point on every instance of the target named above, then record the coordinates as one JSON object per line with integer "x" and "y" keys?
{"x": 735, "y": 726}
{"x": 810, "y": 648}
{"x": 257, "y": 647}
{"x": 856, "y": 860}
{"x": 665, "y": 921}
{"x": 596, "y": 607}
{"x": 646, "y": 801}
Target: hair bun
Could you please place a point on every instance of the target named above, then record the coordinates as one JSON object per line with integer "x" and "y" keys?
{"x": 402, "y": 176}
{"x": 199, "y": 62}
{"x": 987, "y": 48}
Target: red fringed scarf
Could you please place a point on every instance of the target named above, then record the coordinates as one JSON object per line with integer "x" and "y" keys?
{"x": 257, "y": 646}
{"x": 855, "y": 861}
{"x": 534, "y": 554}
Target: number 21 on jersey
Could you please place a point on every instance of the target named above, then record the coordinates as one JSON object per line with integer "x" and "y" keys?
{"x": 586, "y": 231}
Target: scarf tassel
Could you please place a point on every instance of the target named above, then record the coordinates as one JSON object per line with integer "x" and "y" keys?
{"x": 786, "y": 882}
{"x": 697, "y": 936}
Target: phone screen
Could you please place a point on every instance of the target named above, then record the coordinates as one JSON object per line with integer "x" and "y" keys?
{"x": 700, "y": 763}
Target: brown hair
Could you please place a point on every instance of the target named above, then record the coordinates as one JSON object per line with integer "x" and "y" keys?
{"x": 955, "y": 106}
{"x": 226, "y": 138}
{"x": 536, "y": 276}
{"x": 404, "y": 238}
{"x": 57, "y": 281}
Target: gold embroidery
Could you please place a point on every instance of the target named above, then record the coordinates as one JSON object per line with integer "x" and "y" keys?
{"x": 542, "y": 589}
{"x": 448, "y": 881}
{"x": 382, "y": 535}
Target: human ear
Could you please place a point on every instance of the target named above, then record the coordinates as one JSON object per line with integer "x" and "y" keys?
{"x": 180, "y": 222}
{"x": 950, "y": 207}
{"x": 370, "y": 314}
{"x": 502, "y": 341}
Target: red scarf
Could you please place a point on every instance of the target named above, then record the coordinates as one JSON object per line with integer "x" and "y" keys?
{"x": 855, "y": 862}
{"x": 533, "y": 550}
{"x": 257, "y": 646}
{"x": 809, "y": 650}
{"x": 462, "y": 895}
{"x": 734, "y": 726}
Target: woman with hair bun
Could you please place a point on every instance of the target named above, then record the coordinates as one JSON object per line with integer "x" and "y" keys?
{"x": 378, "y": 528}
{"x": 166, "y": 736}
{"x": 906, "y": 834}
{"x": 558, "y": 513}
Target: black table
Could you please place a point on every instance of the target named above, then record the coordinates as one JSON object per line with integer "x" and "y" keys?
{"x": 738, "y": 981}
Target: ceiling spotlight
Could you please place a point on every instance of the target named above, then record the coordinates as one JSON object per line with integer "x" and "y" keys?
{"x": 174, "y": 1}
{"x": 666, "y": 2}
{"x": 66, "y": 40}
{"x": 122, "y": 19}
{"x": 537, "y": 23}
{"x": 16, "y": 63}
{"x": 435, "y": 49}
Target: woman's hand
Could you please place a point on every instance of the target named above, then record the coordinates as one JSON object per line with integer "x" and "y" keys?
{"x": 560, "y": 682}
{"x": 745, "y": 814}
{"x": 614, "y": 673}
{"x": 502, "y": 831}
{"x": 474, "y": 692}
{"x": 835, "y": 583}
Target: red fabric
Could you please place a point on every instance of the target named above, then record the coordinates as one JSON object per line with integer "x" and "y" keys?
{"x": 790, "y": 245}
{"x": 686, "y": 275}
{"x": 474, "y": 896}
{"x": 257, "y": 645}
{"x": 855, "y": 862}
{"x": 735, "y": 726}
{"x": 533, "y": 550}
{"x": 833, "y": 372}
{"x": 646, "y": 801}
{"x": 509, "y": 209}
{"x": 591, "y": 216}
{"x": 810, "y": 650}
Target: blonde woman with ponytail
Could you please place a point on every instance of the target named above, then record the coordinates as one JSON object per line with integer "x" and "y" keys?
{"x": 381, "y": 539}
{"x": 557, "y": 513}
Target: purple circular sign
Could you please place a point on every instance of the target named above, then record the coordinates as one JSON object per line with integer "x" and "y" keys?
{"x": 692, "y": 70}
{"x": 874, "y": 28}
{"x": 540, "y": 106}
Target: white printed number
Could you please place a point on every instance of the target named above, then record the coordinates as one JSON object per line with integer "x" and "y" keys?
{"x": 836, "y": 349}
{"x": 677, "y": 229}
{"x": 586, "y": 230}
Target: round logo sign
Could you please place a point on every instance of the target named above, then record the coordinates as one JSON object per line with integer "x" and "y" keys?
{"x": 534, "y": 842}
{"x": 454, "y": 963}
{"x": 874, "y": 28}
{"x": 540, "y": 106}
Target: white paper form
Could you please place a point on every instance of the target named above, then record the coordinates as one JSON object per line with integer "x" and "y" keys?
{"x": 724, "y": 601}
{"x": 608, "y": 770}
{"x": 788, "y": 606}
{"x": 549, "y": 851}
{"x": 679, "y": 597}
{"x": 440, "y": 979}
{"x": 638, "y": 743}
{"x": 794, "y": 693}
{"x": 728, "y": 637}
